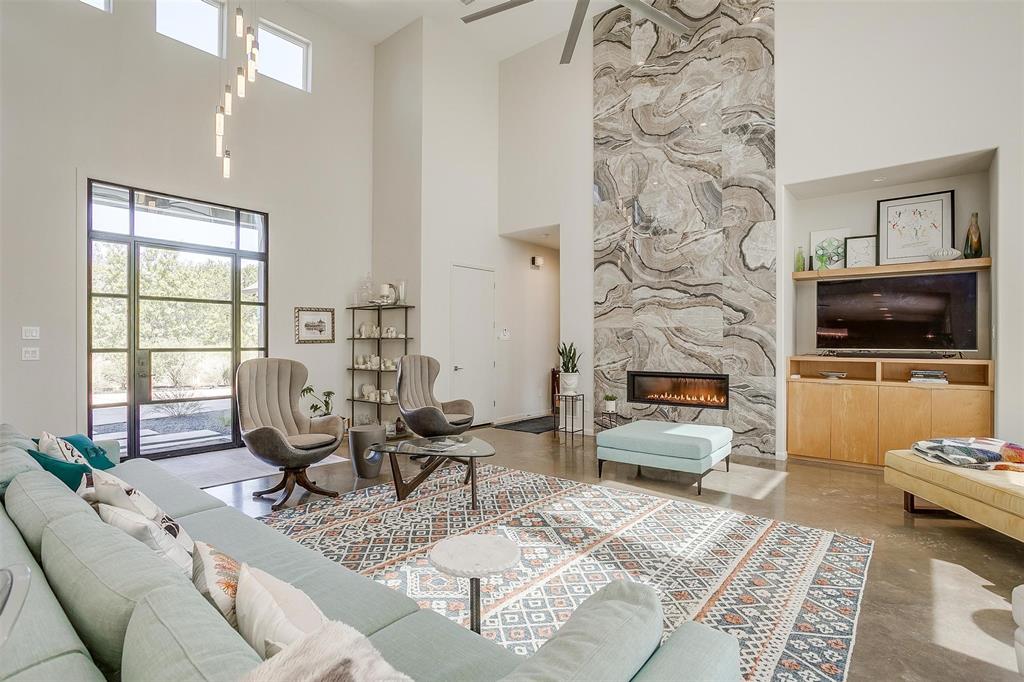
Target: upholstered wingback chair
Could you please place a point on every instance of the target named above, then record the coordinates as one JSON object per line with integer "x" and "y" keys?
{"x": 425, "y": 414}
{"x": 275, "y": 429}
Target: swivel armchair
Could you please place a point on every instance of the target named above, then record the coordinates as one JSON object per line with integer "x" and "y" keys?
{"x": 275, "y": 429}
{"x": 425, "y": 415}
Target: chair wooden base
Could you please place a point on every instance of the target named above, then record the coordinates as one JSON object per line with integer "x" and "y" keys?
{"x": 287, "y": 483}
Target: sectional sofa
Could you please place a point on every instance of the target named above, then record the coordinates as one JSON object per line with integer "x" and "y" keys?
{"x": 103, "y": 606}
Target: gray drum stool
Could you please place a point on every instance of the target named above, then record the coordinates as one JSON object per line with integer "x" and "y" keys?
{"x": 366, "y": 464}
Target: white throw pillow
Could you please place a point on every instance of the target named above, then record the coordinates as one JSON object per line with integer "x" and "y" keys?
{"x": 109, "y": 489}
{"x": 272, "y": 612}
{"x": 168, "y": 540}
{"x": 215, "y": 575}
{"x": 333, "y": 652}
{"x": 53, "y": 446}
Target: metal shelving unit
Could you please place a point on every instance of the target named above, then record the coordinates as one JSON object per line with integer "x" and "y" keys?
{"x": 354, "y": 399}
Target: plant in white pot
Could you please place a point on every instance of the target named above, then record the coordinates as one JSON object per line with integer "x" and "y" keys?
{"x": 609, "y": 402}
{"x": 569, "y": 380}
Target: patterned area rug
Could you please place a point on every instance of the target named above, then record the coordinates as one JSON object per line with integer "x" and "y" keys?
{"x": 790, "y": 594}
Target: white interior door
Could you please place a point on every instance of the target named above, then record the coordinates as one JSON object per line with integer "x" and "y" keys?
{"x": 473, "y": 338}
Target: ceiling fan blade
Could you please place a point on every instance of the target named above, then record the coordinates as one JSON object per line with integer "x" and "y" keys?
{"x": 484, "y": 13}
{"x": 657, "y": 16}
{"x": 574, "y": 30}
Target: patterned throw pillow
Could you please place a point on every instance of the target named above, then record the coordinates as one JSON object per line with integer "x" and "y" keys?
{"x": 53, "y": 446}
{"x": 113, "y": 491}
{"x": 215, "y": 575}
{"x": 74, "y": 475}
{"x": 271, "y": 613}
{"x": 333, "y": 652}
{"x": 167, "y": 539}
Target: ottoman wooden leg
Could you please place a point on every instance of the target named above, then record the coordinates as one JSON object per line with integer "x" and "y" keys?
{"x": 600, "y": 466}
{"x": 727, "y": 463}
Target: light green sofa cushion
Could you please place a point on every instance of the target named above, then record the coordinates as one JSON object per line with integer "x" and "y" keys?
{"x": 13, "y": 461}
{"x": 36, "y": 498}
{"x": 12, "y": 436}
{"x": 694, "y": 653}
{"x": 688, "y": 441}
{"x": 174, "y": 635}
{"x": 70, "y": 667}
{"x": 427, "y": 646}
{"x": 174, "y": 495}
{"x": 99, "y": 574}
{"x": 609, "y": 637}
{"x": 340, "y": 593}
{"x": 42, "y": 636}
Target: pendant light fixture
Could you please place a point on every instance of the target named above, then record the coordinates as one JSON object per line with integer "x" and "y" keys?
{"x": 256, "y": 53}
{"x": 219, "y": 150}
{"x": 227, "y": 99}
{"x": 240, "y": 83}
{"x": 250, "y": 68}
{"x": 249, "y": 38}
{"x": 219, "y": 120}
{"x": 227, "y": 164}
{"x": 239, "y": 23}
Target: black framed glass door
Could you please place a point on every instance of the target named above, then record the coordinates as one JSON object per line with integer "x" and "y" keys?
{"x": 177, "y": 299}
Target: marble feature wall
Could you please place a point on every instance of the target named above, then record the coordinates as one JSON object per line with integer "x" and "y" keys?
{"x": 684, "y": 216}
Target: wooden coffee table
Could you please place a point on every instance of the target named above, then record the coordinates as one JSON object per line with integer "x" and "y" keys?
{"x": 462, "y": 449}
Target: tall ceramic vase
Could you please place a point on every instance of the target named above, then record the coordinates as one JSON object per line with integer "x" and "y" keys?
{"x": 972, "y": 243}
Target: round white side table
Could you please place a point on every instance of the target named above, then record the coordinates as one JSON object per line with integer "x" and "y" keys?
{"x": 474, "y": 556}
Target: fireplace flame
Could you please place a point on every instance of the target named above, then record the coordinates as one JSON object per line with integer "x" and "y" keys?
{"x": 688, "y": 398}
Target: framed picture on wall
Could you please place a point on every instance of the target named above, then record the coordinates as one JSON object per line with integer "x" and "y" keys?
{"x": 828, "y": 249}
{"x": 314, "y": 325}
{"x": 911, "y": 228}
{"x": 861, "y": 252}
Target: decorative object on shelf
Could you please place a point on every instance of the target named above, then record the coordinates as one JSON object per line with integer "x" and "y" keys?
{"x": 367, "y": 391}
{"x": 375, "y": 332}
{"x": 385, "y": 396}
{"x": 400, "y": 427}
{"x": 374, "y": 362}
{"x": 390, "y": 430}
{"x": 828, "y": 248}
{"x": 388, "y": 293}
{"x": 401, "y": 292}
{"x": 861, "y": 252}
{"x": 364, "y": 419}
{"x": 570, "y": 376}
{"x": 799, "y": 262}
{"x": 972, "y": 242}
{"x": 911, "y": 228}
{"x": 390, "y": 333}
{"x": 536, "y": 262}
{"x": 314, "y": 325}
{"x": 833, "y": 375}
{"x": 364, "y": 331}
{"x": 366, "y": 289}
{"x": 320, "y": 405}
{"x": 945, "y": 253}
{"x": 609, "y": 402}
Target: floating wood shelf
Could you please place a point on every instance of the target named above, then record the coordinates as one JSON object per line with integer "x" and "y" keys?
{"x": 927, "y": 267}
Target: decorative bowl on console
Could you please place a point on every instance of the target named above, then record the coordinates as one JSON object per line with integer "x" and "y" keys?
{"x": 945, "y": 253}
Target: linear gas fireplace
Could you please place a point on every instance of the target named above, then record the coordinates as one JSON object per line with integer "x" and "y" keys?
{"x": 681, "y": 389}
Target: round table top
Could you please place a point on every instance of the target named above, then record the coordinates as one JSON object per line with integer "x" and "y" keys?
{"x": 474, "y": 555}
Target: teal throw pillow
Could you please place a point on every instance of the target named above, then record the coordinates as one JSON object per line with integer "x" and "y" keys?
{"x": 94, "y": 454}
{"x": 71, "y": 474}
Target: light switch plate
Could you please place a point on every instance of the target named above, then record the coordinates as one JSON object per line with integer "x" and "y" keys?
{"x": 29, "y": 353}
{"x": 505, "y": 334}
{"x": 30, "y": 332}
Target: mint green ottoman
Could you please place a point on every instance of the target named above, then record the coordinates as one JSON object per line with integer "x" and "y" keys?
{"x": 691, "y": 448}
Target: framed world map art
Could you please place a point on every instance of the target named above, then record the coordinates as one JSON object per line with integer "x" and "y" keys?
{"x": 911, "y": 228}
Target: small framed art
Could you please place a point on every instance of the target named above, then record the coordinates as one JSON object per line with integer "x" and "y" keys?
{"x": 314, "y": 325}
{"x": 861, "y": 252}
{"x": 911, "y": 228}
{"x": 828, "y": 249}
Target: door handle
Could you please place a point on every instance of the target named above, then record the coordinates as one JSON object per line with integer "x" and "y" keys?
{"x": 457, "y": 368}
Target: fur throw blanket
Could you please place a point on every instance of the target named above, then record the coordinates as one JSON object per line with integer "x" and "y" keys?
{"x": 334, "y": 653}
{"x": 972, "y": 453}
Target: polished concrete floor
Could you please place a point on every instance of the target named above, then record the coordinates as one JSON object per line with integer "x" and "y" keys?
{"x": 936, "y": 606}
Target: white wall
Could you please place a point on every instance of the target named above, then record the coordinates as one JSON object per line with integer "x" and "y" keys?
{"x": 92, "y": 94}
{"x": 859, "y": 86}
{"x": 528, "y": 306}
{"x": 546, "y": 173}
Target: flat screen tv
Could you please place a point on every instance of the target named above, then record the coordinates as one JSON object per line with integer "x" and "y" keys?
{"x": 918, "y": 313}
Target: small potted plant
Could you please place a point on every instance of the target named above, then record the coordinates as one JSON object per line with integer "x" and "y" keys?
{"x": 569, "y": 379}
{"x": 609, "y": 402}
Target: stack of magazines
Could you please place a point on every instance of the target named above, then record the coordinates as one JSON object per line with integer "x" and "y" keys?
{"x": 928, "y": 376}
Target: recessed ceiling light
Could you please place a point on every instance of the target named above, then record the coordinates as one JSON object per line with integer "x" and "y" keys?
{"x": 880, "y": 178}
{"x": 883, "y": 308}
{"x": 876, "y": 294}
